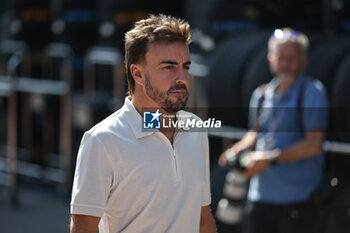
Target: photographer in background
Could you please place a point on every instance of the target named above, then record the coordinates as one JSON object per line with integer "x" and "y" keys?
{"x": 288, "y": 118}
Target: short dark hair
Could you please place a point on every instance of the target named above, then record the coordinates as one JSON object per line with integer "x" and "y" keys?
{"x": 154, "y": 28}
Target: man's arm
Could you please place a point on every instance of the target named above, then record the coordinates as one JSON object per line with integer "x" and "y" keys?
{"x": 83, "y": 223}
{"x": 247, "y": 141}
{"x": 310, "y": 146}
{"x": 207, "y": 223}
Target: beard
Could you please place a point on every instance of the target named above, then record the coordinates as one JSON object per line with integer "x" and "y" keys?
{"x": 287, "y": 78}
{"x": 169, "y": 103}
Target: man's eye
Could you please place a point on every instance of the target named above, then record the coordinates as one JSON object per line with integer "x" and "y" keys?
{"x": 186, "y": 67}
{"x": 169, "y": 67}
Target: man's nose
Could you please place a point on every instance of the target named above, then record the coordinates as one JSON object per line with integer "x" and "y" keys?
{"x": 182, "y": 76}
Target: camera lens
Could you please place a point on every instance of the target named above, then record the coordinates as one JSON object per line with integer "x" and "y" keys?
{"x": 230, "y": 206}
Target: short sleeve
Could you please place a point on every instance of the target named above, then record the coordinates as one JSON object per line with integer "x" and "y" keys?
{"x": 315, "y": 107}
{"x": 93, "y": 178}
{"x": 206, "y": 195}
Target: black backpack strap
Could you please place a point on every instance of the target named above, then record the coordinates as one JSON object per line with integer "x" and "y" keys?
{"x": 300, "y": 101}
{"x": 260, "y": 104}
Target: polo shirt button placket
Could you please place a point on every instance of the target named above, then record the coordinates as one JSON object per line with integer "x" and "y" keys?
{"x": 176, "y": 166}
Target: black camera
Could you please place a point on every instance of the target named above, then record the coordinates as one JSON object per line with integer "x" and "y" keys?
{"x": 230, "y": 206}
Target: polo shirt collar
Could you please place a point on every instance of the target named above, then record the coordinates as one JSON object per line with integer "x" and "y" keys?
{"x": 274, "y": 83}
{"x": 182, "y": 116}
{"x": 134, "y": 119}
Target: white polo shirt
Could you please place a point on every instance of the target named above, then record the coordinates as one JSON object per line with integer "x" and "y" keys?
{"x": 137, "y": 181}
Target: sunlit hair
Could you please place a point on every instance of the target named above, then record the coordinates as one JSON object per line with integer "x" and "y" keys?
{"x": 281, "y": 36}
{"x": 154, "y": 28}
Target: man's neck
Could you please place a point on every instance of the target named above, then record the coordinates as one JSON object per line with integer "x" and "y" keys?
{"x": 284, "y": 84}
{"x": 169, "y": 132}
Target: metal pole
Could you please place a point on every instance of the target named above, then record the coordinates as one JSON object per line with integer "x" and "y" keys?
{"x": 66, "y": 126}
{"x": 12, "y": 147}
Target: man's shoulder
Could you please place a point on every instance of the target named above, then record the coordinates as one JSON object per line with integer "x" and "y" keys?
{"x": 315, "y": 85}
{"x": 112, "y": 123}
{"x": 315, "y": 93}
{"x": 188, "y": 115}
{"x": 259, "y": 91}
{"x": 191, "y": 120}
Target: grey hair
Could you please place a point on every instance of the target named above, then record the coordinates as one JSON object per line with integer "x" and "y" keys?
{"x": 281, "y": 36}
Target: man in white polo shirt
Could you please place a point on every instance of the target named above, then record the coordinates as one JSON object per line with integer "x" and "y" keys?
{"x": 131, "y": 180}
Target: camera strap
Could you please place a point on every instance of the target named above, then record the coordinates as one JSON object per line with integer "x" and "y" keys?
{"x": 300, "y": 100}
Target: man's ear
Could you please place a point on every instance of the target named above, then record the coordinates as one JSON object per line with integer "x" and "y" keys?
{"x": 136, "y": 73}
{"x": 269, "y": 58}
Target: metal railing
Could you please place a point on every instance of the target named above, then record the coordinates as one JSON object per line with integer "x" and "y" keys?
{"x": 11, "y": 86}
{"x": 236, "y": 133}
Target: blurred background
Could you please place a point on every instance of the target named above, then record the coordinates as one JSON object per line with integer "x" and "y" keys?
{"x": 61, "y": 72}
